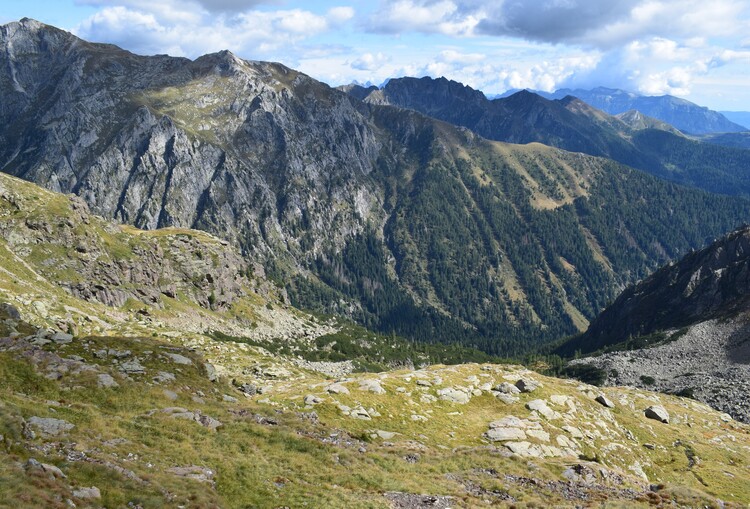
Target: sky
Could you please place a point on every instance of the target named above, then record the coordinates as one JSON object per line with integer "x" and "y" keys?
{"x": 696, "y": 49}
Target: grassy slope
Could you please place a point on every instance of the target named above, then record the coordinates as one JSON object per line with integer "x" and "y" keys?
{"x": 336, "y": 460}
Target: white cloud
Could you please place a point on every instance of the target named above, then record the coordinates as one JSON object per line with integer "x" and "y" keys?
{"x": 171, "y": 7}
{"x": 340, "y": 14}
{"x": 256, "y": 34}
{"x": 441, "y": 16}
{"x": 456, "y": 57}
{"x": 369, "y": 62}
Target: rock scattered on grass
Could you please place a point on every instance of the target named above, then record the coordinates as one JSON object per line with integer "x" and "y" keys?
{"x": 658, "y": 413}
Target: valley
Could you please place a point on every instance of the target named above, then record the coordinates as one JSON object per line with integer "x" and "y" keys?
{"x": 224, "y": 283}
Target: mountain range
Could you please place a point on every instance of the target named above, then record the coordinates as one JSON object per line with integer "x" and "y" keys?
{"x": 686, "y": 116}
{"x": 573, "y": 125}
{"x": 402, "y": 222}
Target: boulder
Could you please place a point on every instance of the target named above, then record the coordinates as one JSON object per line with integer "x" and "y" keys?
{"x": 196, "y": 473}
{"x": 505, "y": 434}
{"x": 507, "y": 388}
{"x": 540, "y": 406}
{"x": 311, "y": 399}
{"x": 105, "y": 380}
{"x": 337, "y": 389}
{"x": 454, "y": 395}
{"x": 527, "y": 385}
{"x": 85, "y": 493}
{"x": 50, "y": 426}
{"x": 179, "y": 359}
{"x": 525, "y": 449}
{"x": 132, "y": 367}
{"x": 9, "y": 312}
{"x": 62, "y": 338}
{"x": 164, "y": 377}
{"x": 211, "y": 373}
{"x": 658, "y": 413}
{"x": 508, "y": 399}
{"x": 385, "y": 435}
{"x": 372, "y": 386}
{"x": 360, "y": 413}
{"x": 604, "y": 400}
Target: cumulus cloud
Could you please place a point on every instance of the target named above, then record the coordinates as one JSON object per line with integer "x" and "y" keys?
{"x": 147, "y": 29}
{"x": 214, "y": 6}
{"x": 583, "y": 22}
{"x": 369, "y": 62}
{"x": 430, "y": 16}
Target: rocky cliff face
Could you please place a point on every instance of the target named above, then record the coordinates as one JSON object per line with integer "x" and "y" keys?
{"x": 249, "y": 149}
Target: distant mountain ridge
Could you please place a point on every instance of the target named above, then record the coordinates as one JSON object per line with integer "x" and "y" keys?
{"x": 684, "y": 115}
{"x": 739, "y": 117}
{"x": 572, "y": 124}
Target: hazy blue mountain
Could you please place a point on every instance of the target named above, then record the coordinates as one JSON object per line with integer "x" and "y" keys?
{"x": 739, "y": 117}
{"x": 686, "y": 116}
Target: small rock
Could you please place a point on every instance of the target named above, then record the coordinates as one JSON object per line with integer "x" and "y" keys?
{"x": 62, "y": 338}
{"x": 604, "y": 400}
{"x": 229, "y": 399}
{"x": 658, "y": 413}
{"x": 507, "y": 388}
{"x": 106, "y": 380}
{"x": 311, "y": 399}
{"x": 337, "y": 389}
{"x": 385, "y": 435}
{"x": 527, "y": 385}
{"x": 84, "y": 493}
{"x": 454, "y": 395}
{"x": 179, "y": 359}
{"x": 50, "y": 426}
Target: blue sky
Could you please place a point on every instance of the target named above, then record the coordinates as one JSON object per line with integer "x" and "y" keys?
{"x": 697, "y": 49}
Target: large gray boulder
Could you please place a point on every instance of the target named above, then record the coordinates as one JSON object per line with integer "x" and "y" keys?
{"x": 50, "y": 426}
{"x": 658, "y": 413}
